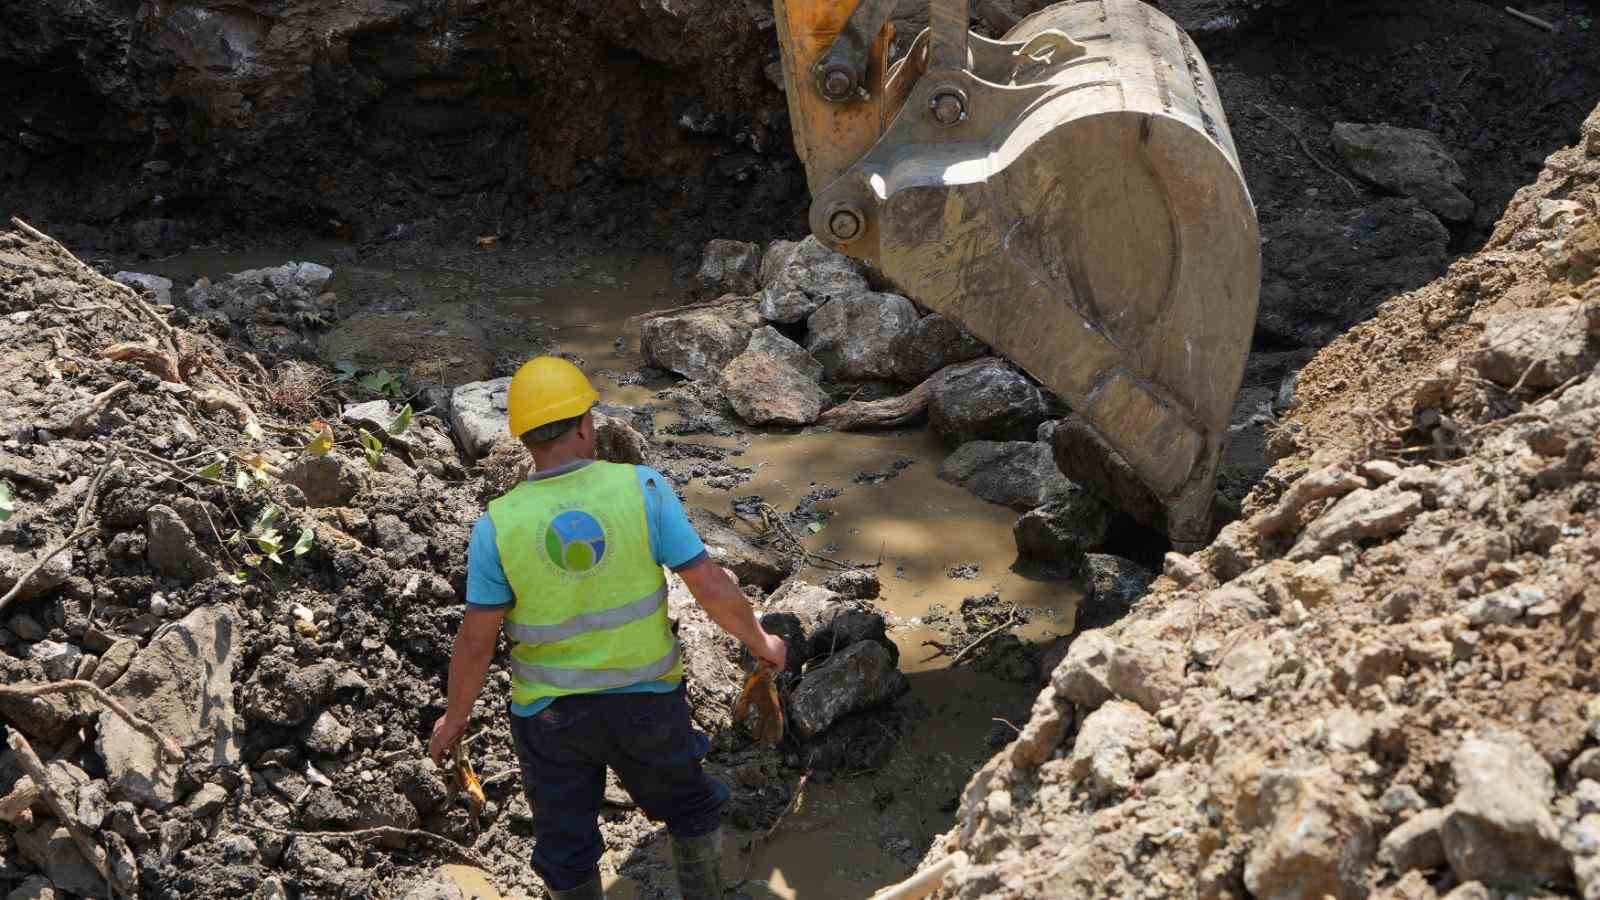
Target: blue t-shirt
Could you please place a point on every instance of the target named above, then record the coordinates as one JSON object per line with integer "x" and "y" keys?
{"x": 673, "y": 543}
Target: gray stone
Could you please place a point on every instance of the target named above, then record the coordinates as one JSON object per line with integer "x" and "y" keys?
{"x": 1018, "y": 474}
{"x": 59, "y": 661}
{"x": 1399, "y": 798}
{"x": 92, "y": 806}
{"x": 114, "y": 662}
{"x": 1117, "y": 744}
{"x": 855, "y": 584}
{"x": 851, "y": 335}
{"x": 771, "y": 342}
{"x": 768, "y": 390}
{"x": 776, "y": 256}
{"x": 1504, "y": 606}
{"x": 751, "y": 563}
{"x": 846, "y": 626}
{"x": 51, "y": 849}
{"x": 1548, "y": 346}
{"x": 159, "y": 289}
{"x": 14, "y": 562}
{"x": 327, "y": 736}
{"x": 1063, "y": 530}
{"x": 809, "y": 276}
{"x": 171, "y": 548}
{"x": 326, "y": 480}
{"x": 1114, "y": 582}
{"x": 282, "y": 692}
{"x": 478, "y": 415}
{"x": 730, "y": 267}
{"x": 1317, "y": 839}
{"x": 1415, "y": 844}
{"x": 1362, "y": 514}
{"x": 1499, "y": 829}
{"x": 397, "y": 539}
{"x": 1407, "y": 161}
{"x": 35, "y": 887}
{"x": 857, "y": 678}
{"x": 930, "y": 344}
{"x": 698, "y": 343}
{"x": 207, "y": 801}
{"x": 1246, "y": 670}
{"x": 1150, "y": 673}
{"x": 987, "y": 400}
{"x": 182, "y": 683}
{"x": 26, "y": 627}
{"x": 1084, "y": 675}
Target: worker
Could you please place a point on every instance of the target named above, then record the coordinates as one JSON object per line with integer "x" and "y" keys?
{"x": 570, "y": 563}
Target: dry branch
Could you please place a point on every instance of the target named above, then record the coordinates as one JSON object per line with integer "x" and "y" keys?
{"x": 1328, "y": 482}
{"x": 154, "y": 360}
{"x": 925, "y": 882}
{"x": 80, "y": 423}
{"x": 1010, "y": 621}
{"x": 1306, "y": 149}
{"x": 77, "y": 686}
{"x": 93, "y": 853}
{"x": 461, "y": 851}
{"x": 81, "y": 528}
{"x": 855, "y": 415}
{"x": 1535, "y": 21}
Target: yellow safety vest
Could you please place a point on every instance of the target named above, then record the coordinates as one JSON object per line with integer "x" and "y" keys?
{"x": 591, "y": 610}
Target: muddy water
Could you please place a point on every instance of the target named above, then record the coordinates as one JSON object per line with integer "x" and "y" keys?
{"x": 935, "y": 542}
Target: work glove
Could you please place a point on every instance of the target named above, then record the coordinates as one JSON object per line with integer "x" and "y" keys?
{"x": 761, "y": 690}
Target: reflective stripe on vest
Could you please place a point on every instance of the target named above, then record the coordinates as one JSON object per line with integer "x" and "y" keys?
{"x": 576, "y": 680}
{"x": 615, "y": 617}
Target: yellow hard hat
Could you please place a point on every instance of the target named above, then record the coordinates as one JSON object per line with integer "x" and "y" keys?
{"x": 547, "y": 389}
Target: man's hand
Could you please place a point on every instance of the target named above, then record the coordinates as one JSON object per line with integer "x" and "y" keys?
{"x": 772, "y": 651}
{"x": 445, "y": 733}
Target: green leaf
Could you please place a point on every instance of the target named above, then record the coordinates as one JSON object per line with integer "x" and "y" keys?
{"x": 371, "y": 447}
{"x": 241, "y": 480}
{"x": 307, "y": 538}
{"x": 402, "y": 421}
{"x": 8, "y": 503}
{"x": 236, "y": 578}
{"x": 267, "y": 519}
{"x": 813, "y": 527}
{"x": 323, "y": 442}
{"x": 212, "y": 471}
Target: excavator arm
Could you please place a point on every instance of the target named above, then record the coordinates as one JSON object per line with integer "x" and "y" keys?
{"x": 1071, "y": 195}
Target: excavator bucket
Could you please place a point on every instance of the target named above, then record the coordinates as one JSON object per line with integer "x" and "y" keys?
{"x": 1071, "y": 195}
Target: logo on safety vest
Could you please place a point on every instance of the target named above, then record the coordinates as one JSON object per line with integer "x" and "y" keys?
{"x": 575, "y": 541}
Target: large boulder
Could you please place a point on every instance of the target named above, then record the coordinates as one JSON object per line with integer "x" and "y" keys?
{"x": 1538, "y": 348}
{"x": 804, "y": 278}
{"x": 930, "y": 344}
{"x": 988, "y": 400}
{"x": 1018, "y": 474}
{"x": 729, "y": 267}
{"x": 771, "y": 342}
{"x": 1328, "y": 269}
{"x": 697, "y": 343}
{"x": 1063, "y": 530}
{"x": 1500, "y": 829}
{"x": 478, "y": 415}
{"x": 182, "y": 683}
{"x": 859, "y": 677}
{"x": 1406, "y": 161}
{"x": 769, "y": 390}
{"x": 851, "y": 335}
{"x": 750, "y": 562}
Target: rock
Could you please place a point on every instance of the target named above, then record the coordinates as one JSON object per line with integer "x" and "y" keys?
{"x": 857, "y": 678}
{"x": 1115, "y": 583}
{"x": 1318, "y": 838}
{"x": 1349, "y": 730}
{"x": 1504, "y": 606}
{"x": 1150, "y": 673}
{"x": 767, "y": 390}
{"x": 281, "y": 692}
{"x": 810, "y": 276}
{"x": 711, "y": 679}
{"x": 617, "y": 441}
{"x": 35, "y": 887}
{"x": 14, "y": 562}
{"x": 1399, "y": 798}
{"x": 478, "y": 415}
{"x": 751, "y": 563}
{"x": 114, "y": 662}
{"x": 326, "y": 480}
{"x": 182, "y": 683}
{"x": 1369, "y": 254}
{"x": 1246, "y": 670}
{"x": 851, "y": 335}
{"x": 1591, "y": 134}
{"x": 171, "y": 548}
{"x": 776, "y": 256}
{"x": 1018, "y": 474}
{"x": 1546, "y": 345}
{"x": 771, "y": 342}
{"x": 1117, "y": 744}
{"x": 810, "y": 603}
{"x": 928, "y": 345}
{"x": 327, "y": 736}
{"x": 401, "y": 544}
{"x": 854, "y": 584}
{"x": 92, "y": 806}
{"x": 1407, "y": 161}
{"x": 729, "y": 267}
{"x": 59, "y": 661}
{"x": 1185, "y": 572}
{"x": 208, "y": 801}
{"x": 1063, "y": 530}
{"x": 698, "y": 343}
{"x": 846, "y": 627}
{"x": 987, "y": 401}
{"x": 50, "y": 848}
{"x": 159, "y": 289}
{"x": 1416, "y": 844}
{"x": 1499, "y": 829}
{"x": 26, "y": 627}
{"x": 1362, "y": 514}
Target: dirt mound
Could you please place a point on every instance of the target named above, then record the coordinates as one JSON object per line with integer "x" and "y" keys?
{"x": 1383, "y": 680}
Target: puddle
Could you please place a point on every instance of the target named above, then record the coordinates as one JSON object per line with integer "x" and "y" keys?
{"x": 846, "y": 838}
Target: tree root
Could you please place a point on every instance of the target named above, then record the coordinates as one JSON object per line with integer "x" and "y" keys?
{"x": 78, "y": 686}
{"x": 460, "y": 851}
{"x": 80, "y": 423}
{"x": 1328, "y": 482}
{"x": 855, "y": 415}
{"x": 154, "y": 360}
{"x": 81, "y": 528}
{"x": 93, "y": 853}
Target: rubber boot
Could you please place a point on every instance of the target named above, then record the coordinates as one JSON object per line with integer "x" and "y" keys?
{"x": 699, "y": 861}
{"x": 589, "y": 890}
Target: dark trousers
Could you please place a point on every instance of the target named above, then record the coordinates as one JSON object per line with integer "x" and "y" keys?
{"x": 646, "y": 738}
